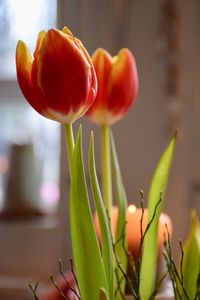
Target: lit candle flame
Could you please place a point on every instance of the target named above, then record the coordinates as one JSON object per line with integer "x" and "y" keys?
{"x": 132, "y": 208}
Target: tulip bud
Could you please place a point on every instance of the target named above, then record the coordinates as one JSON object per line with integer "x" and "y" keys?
{"x": 117, "y": 86}
{"x": 59, "y": 82}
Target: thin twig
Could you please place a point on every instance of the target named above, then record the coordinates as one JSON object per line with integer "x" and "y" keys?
{"x": 58, "y": 289}
{"x": 138, "y": 261}
{"x": 148, "y": 226}
{"x": 34, "y": 290}
{"x": 119, "y": 281}
{"x": 65, "y": 279}
{"x": 142, "y": 216}
{"x": 119, "y": 262}
{"x": 158, "y": 285}
{"x": 177, "y": 280}
{"x": 122, "y": 236}
{"x": 72, "y": 270}
{"x": 171, "y": 266}
{"x": 181, "y": 261}
{"x": 126, "y": 277}
{"x": 171, "y": 275}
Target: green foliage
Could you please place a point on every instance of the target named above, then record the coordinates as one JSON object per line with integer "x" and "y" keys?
{"x": 156, "y": 194}
{"x": 106, "y": 239}
{"x": 120, "y": 238}
{"x": 185, "y": 279}
{"x": 88, "y": 261}
{"x": 191, "y": 259}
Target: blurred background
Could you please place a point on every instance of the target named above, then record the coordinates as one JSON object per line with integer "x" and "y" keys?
{"x": 164, "y": 37}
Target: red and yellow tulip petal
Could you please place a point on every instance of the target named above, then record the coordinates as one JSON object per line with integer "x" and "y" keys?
{"x": 23, "y": 66}
{"x": 64, "y": 73}
{"x": 93, "y": 79}
{"x": 42, "y": 101}
{"x": 102, "y": 62}
{"x": 40, "y": 39}
{"x": 103, "y": 66}
{"x": 117, "y": 86}
{"x": 67, "y": 31}
{"x": 35, "y": 69}
{"x": 123, "y": 83}
{"x": 60, "y": 82}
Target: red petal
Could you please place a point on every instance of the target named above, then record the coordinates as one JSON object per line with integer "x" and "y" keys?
{"x": 117, "y": 86}
{"x": 40, "y": 100}
{"x": 24, "y": 66}
{"x": 93, "y": 80}
{"x": 63, "y": 73}
{"x": 123, "y": 83}
{"x": 103, "y": 65}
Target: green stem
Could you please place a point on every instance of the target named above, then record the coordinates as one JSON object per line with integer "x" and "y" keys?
{"x": 106, "y": 167}
{"x": 69, "y": 137}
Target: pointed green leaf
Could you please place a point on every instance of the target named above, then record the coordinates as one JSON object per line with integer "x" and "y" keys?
{"x": 158, "y": 186}
{"x": 106, "y": 240}
{"x": 122, "y": 207}
{"x": 86, "y": 253}
{"x": 191, "y": 260}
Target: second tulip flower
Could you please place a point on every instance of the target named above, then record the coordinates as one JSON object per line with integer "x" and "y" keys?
{"x": 117, "y": 86}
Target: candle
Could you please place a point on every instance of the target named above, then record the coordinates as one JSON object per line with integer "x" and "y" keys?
{"x": 133, "y": 227}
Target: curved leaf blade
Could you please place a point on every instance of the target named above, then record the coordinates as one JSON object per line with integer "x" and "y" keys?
{"x": 122, "y": 208}
{"x": 191, "y": 259}
{"x": 106, "y": 239}
{"x": 158, "y": 186}
{"x": 86, "y": 253}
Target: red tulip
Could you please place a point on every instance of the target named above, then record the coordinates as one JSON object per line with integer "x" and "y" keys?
{"x": 60, "y": 81}
{"x": 117, "y": 86}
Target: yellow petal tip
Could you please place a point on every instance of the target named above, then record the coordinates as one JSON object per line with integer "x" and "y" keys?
{"x": 67, "y": 31}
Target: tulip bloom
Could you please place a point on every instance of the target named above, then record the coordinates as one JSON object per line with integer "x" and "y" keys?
{"x": 117, "y": 86}
{"x": 59, "y": 82}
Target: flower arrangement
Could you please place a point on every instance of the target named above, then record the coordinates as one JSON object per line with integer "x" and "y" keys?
{"x": 63, "y": 83}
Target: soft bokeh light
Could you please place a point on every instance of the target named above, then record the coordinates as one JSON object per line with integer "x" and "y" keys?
{"x": 132, "y": 208}
{"x": 50, "y": 193}
{"x": 23, "y": 20}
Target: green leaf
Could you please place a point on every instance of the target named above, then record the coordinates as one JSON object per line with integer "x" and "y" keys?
{"x": 122, "y": 207}
{"x": 106, "y": 239}
{"x": 191, "y": 259}
{"x": 157, "y": 188}
{"x": 86, "y": 252}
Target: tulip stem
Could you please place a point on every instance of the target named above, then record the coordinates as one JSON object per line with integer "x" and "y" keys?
{"x": 106, "y": 167}
{"x": 69, "y": 137}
